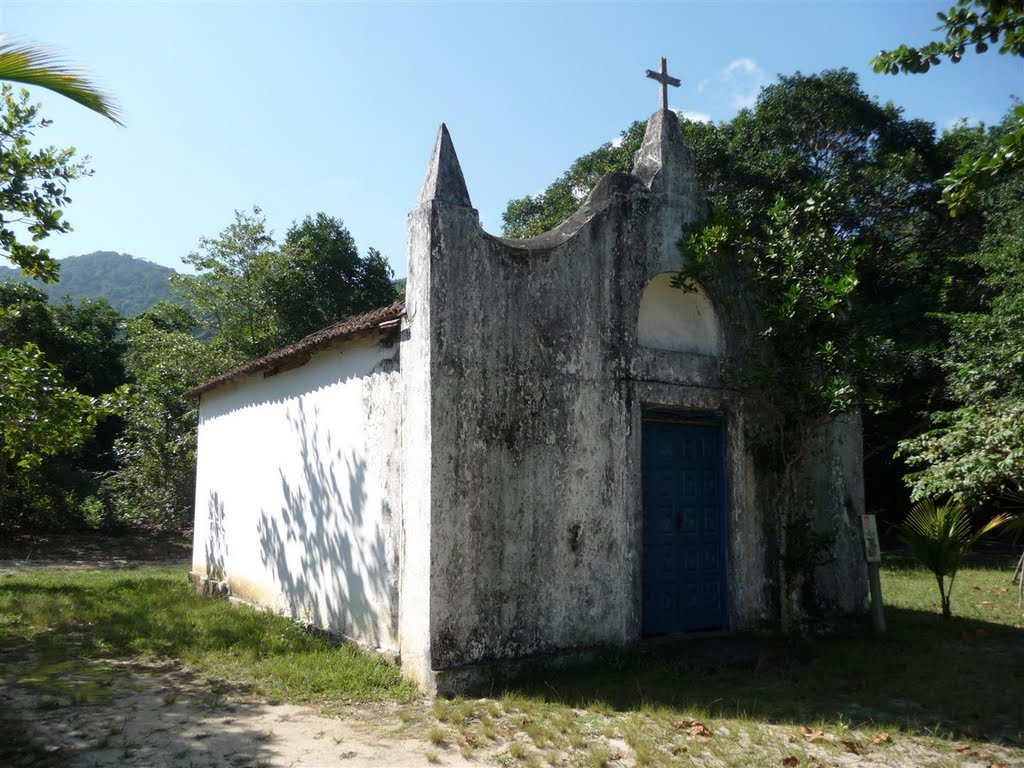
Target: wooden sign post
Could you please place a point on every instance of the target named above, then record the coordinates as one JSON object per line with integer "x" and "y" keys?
{"x": 873, "y": 556}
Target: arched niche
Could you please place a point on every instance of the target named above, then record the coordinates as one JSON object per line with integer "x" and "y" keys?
{"x": 677, "y": 320}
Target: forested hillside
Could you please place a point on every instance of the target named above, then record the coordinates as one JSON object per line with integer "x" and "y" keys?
{"x": 129, "y": 284}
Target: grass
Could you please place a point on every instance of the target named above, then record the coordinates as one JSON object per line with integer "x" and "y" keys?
{"x": 52, "y": 622}
{"x": 929, "y": 692}
{"x": 909, "y": 695}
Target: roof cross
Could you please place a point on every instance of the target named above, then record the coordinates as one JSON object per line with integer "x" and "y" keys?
{"x": 663, "y": 78}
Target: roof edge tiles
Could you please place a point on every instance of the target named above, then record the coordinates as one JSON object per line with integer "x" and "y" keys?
{"x": 294, "y": 355}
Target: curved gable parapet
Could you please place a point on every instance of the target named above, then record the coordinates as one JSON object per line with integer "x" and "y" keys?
{"x": 612, "y": 188}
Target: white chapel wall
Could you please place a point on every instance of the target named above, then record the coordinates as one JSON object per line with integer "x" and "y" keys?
{"x": 298, "y": 491}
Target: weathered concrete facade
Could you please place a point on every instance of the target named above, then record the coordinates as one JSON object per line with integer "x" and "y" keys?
{"x": 512, "y": 416}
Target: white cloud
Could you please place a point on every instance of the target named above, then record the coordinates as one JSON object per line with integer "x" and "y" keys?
{"x": 744, "y": 78}
{"x": 703, "y": 84}
{"x": 965, "y": 120}
{"x": 695, "y": 117}
{"x": 617, "y": 141}
{"x": 743, "y": 66}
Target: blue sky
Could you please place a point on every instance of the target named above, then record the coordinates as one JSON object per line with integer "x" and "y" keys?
{"x": 301, "y": 107}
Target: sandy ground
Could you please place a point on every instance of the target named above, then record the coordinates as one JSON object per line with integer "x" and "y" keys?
{"x": 165, "y": 716}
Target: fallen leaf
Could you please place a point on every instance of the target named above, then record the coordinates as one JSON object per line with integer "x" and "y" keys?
{"x": 881, "y": 738}
{"x": 852, "y": 746}
{"x": 700, "y": 732}
{"x": 789, "y": 762}
{"x": 1002, "y": 590}
{"x": 616, "y": 755}
{"x": 998, "y": 765}
{"x": 683, "y": 723}
{"x": 812, "y": 736}
{"x": 964, "y": 748}
{"x": 976, "y": 588}
{"x": 791, "y": 739}
{"x": 986, "y": 602}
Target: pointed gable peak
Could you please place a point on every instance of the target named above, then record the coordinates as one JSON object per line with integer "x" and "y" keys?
{"x": 444, "y": 181}
{"x": 663, "y": 149}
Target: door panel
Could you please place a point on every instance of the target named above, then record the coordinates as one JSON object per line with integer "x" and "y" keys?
{"x": 684, "y": 574}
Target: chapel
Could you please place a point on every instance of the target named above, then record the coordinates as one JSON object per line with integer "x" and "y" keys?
{"x": 538, "y": 451}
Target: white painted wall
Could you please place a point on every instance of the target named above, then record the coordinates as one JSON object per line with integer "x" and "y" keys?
{"x": 298, "y": 490}
{"x": 677, "y": 320}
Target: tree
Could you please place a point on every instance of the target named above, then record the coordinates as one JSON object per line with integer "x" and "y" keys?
{"x": 529, "y": 216}
{"x": 39, "y": 415}
{"x": 78, "y": 346}
{"x": 977, "y": 24}
{"x": 251, "y": 297}
{"x": 975, "y": 448}
{"x": 320, "y": 278}
{"x": 939, "y": 535}
{"x": 230, "y": 292}
{"x": 155, "y": 482}
{"x": 33, "y": 186}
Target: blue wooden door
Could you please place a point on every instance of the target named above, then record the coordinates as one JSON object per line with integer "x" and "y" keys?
{"x": 684, "y": 575}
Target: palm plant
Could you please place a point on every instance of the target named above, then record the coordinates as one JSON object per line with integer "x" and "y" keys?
{"x": 31, "y": 65}
{"x": 939, "y": 535}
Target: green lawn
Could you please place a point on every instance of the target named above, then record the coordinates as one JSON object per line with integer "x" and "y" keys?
{"x": 930, "y": 692}
{"x": 53, "y": 621}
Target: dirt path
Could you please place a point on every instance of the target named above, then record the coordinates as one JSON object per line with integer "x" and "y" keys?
{"x": 166, "y": 716}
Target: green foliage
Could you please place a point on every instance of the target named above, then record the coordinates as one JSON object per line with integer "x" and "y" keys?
{"x": 251, "y": 297}
{"x": 33, "y": 186}
{"x": 976, "y": 448}
{"x": 230, "y": 292}
{"x": 39, "y": 414}
{"x": 319, "y": 278}
{"x": 825, "y": 204}
{"x": 939, "y": 535}
{"x": 970, "y": 23}
{"x": 75, "y": 352}
{"x": 977, "y": 24}
{"x": 534, "y": 215}
{"x": 155, "y": 483}
{"x": 32, "y": 65}
{"x": 962, "y": 185}
{"x": 128, "y": 284}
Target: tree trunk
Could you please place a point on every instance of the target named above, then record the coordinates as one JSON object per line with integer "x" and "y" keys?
{"x": 3, "y": 480}
{"x": 945, "y": 596}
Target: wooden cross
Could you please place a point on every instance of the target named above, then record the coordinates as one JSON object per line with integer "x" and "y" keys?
{"x": 663, "y": 78}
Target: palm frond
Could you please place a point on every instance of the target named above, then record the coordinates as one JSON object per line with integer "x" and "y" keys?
{"x": 939, "y": 535}
{"x": 31, "y": 65}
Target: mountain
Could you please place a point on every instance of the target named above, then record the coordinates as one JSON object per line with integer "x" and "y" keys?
{"x": 129, "y": 284}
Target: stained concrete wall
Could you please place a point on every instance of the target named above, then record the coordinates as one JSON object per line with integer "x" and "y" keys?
{"x": 299, "y": 490}
{"x": 536, "y": 385}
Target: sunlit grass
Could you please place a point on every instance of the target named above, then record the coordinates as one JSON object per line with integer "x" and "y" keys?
{"x": 50, "y": 619}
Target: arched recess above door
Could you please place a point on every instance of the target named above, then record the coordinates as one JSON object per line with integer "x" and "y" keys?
{"x": 678, "y": 320}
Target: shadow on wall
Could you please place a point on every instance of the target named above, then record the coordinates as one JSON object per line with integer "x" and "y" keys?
{"x": 329, "y": 569}
{"x": 216, "y": 539}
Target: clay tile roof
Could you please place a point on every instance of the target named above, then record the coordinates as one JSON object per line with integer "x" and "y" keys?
{"x": 297, "y": 353}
